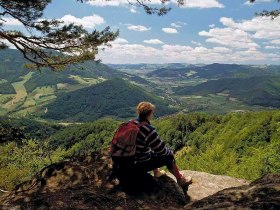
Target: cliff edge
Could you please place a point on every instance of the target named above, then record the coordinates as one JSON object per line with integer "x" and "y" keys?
{"x": 80, "y": 183}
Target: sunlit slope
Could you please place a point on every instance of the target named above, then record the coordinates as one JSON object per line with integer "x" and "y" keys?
{"x": 263, "y": 91}
{"x": 117, "y": 98}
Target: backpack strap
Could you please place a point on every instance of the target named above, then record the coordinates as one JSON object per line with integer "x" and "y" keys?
{"x": 139, "y": 124}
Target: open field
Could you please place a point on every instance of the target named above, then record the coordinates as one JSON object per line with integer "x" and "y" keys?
{"x": 85, "y": 81}
{"x": 214, "y": 104}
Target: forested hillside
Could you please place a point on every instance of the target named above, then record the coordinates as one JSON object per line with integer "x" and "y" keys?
{"x": 244, "y": 145}
{"x": 263, "y": 91}
{"x": 214, "y": 71}
{"x": 116, "y": 98}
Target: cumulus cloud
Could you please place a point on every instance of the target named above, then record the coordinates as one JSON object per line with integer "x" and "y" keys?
{"x": 234, "y": 38}
{"x": 175, "y": 25}
{"x": 211, "y": 25}
{"x": 137, "y": 28}
{"x": 178, "y": 24}
{"x": 116, "y": 3}
{"x": 202, "y": 4}
{"x": 188, "y": 3}
{"x": 272, "y": 47}
{"x": 170, "y": 30}
{"x": 10, "y": 22}
{"x": 138, "y": 53}
{"x": 87, "y": 21}
{"x": 277, "y": 41}
{"x": 244, "y": 34}
{"x": 196, "y": 43}
{"x": 153, "y": 41}
{"x": 120, "y": 41}
{"x": 261, "y": 27}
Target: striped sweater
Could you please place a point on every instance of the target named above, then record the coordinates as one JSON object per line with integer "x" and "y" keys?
{"x": 148, "y": 142}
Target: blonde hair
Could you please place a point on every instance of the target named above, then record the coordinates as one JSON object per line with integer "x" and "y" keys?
{"x": 145, "y": 108}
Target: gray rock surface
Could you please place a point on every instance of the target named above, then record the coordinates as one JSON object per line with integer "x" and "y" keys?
{"x": 205, "y": 184}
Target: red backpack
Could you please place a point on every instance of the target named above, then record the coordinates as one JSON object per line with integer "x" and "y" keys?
{"x": 124, "y": 141}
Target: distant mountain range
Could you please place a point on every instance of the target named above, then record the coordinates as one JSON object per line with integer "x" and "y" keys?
{"x": 263, "y": 91}
{"x": 215, "y": 71}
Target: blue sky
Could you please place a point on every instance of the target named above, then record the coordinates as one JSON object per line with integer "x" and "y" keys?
{"x": 202, "y": 31}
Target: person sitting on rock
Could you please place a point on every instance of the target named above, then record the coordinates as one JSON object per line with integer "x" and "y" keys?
{"x": 151, "y": 151}
{"x": 151, "y": 154}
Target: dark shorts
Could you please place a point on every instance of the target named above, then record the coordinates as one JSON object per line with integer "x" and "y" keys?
{"x": 155, "y": 162}
{"x": 133, "y": 176}
{"x": 128, "y": 166}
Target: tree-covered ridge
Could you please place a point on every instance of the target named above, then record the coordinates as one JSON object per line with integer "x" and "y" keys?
{"x": 245, "y": 145}
{"x": 20, "y": 161}
{"x": 11, "y": 65}
{"x": 115, "y": 98}
{"x": 214, "y": 71}
{"x": 263, "y": 91}
{"x": 12, "y": 129}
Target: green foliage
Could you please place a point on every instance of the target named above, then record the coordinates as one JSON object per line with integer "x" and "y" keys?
{"x": 47, "y": 78}
{"x": 176, "y": 130}
{"x": 263, "y": 91}
{"x": 12, "y": 129}
{"x": 20, "y": 163}
{"x": 6, "y": 88}
{"x": 114, "y": 97}
{"x": 11, "y": 65}
{"x": 98, "y": 133}
{"x": 244, "y": 145}
{"x": 240, "y": 145}
{"x": 213, "y": 71}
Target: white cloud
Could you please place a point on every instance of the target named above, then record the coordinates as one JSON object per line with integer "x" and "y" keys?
{"x": 10, "y": 22}
{"x": 87, "y": 21}
{"x": 196, "y": 43}
{"x": 175, "y": 25}
{"x": 137, "y": 28}
{"x": 170, "y": 30}
{"x": 234, "y": 38}
{"x": 211, "y": 25}
{"x": 138, "y": 53}
{"x": 277, "y": 41}
{"x": 188, "y": 3}
{"x": 120, "y": 41}
{"x": 244, "y": 34}
{"x": 116, "y": 3}
{"x": 178, "y": 24}
{"x": 261, "y": 27}
{"x": 153, "y": 41}
{"x": 202, "y": 4}
{"x": 272, "y": 47}
{"x": 7, "y": 43}
{"x": 133, "y": 9}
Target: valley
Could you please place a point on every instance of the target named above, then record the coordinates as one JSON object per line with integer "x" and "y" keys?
{"x": 214, "y": 88}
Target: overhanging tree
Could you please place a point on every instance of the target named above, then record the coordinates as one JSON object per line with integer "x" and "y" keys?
{"x": 49, "y": 43}
{"x": 273, "y": 13}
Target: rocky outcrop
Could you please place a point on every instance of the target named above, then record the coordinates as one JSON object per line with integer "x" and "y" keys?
{"x": 81, "y": 183}
{"x": 263, "y": 193}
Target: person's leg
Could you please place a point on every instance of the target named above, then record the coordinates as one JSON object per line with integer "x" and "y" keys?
{"x": 169, "y": 162}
